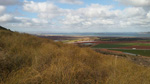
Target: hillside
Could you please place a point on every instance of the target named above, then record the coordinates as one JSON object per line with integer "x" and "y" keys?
{"x": 3, "y": 28}
{"x": 27, "y": 59}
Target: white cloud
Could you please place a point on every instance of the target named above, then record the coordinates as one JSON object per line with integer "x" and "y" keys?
{"x": 71, "y": 1}
{"x": 94, "y": 14}
{"x": 99, "y": 16}
{"x": 98, "y": 11}
{"x": 133, "y": 12}
{"x": 31, "y": 21}
{"x": 39, "y": 21}
{"x": 5, "y": 18}
{"x": 44, "y": 9}
{"x": 88, "y": 15}
{"x": 140, "y": 3}
{"x": 148, "y": 14}
{"x": 39, "y": 6}
{"x": 93, "y": 17}
{"x": 103, "y": 22}
{"x": 9, "y": 2}
{"x": 2, "y": 9}
{"x": 95, "y": 10}
{"x": 8, "y": 19}
{"x": 72, "y": 19}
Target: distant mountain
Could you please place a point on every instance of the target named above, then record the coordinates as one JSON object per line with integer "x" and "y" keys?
{"x": 148, "y": 32}
{"x": 144, "y": 33}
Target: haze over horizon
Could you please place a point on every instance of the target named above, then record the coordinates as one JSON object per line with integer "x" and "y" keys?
{"x": 75, "y": 15}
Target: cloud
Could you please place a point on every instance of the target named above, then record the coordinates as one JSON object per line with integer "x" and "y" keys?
{"x": 23, "y": 21}
{"x": 94, "y": 14}
{"x": 92, "y": 17}
{"x": 9, "y": 2}
{"x": 38, "y": 6}
{"x": 42, "y": 21}
{"x": 132, "y": 12}
{"x": 96, "y": 10}
{"x": 136, "y": 16}
{"x": 44, "y": 9}
{"x": 148, "y": 14}
{"x": 2, "y": 9}
{"x": 137, "y": 3}
{"x": 71, "y": 1}
{"x": 7, "y": 18}
{"x": 104, "y": 16}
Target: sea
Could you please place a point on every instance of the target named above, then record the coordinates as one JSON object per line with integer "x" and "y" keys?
{"x": 102, "y": 34}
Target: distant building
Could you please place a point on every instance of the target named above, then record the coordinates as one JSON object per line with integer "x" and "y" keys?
{"x": 134, "y": 48}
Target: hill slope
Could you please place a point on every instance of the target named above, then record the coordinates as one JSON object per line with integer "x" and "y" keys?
{"x": 27, "y": 59}
{"x": 2, "y": 28}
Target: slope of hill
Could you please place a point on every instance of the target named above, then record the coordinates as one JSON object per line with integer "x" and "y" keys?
{"x": 2, "y": 28}
{"x": 27, "y": 59}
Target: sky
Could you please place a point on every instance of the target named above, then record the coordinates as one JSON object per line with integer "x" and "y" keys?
{"x": 60, "y": 16}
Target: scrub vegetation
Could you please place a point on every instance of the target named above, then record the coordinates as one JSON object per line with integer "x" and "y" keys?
{"x": 27, "y": 59}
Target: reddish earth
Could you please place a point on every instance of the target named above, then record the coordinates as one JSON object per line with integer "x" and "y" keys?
{"x": 110, "y": 51}
{"x": 137, "y": 47}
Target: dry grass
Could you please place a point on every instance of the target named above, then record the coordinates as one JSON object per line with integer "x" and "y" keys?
{"x": 26, "y": 59}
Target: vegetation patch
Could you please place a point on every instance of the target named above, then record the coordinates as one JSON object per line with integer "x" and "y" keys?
{"x": 120, "y": 45}
{"x": 138, "y": 52}
{"x": 137, "y": 44}
{"x": 109, "y": 45}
